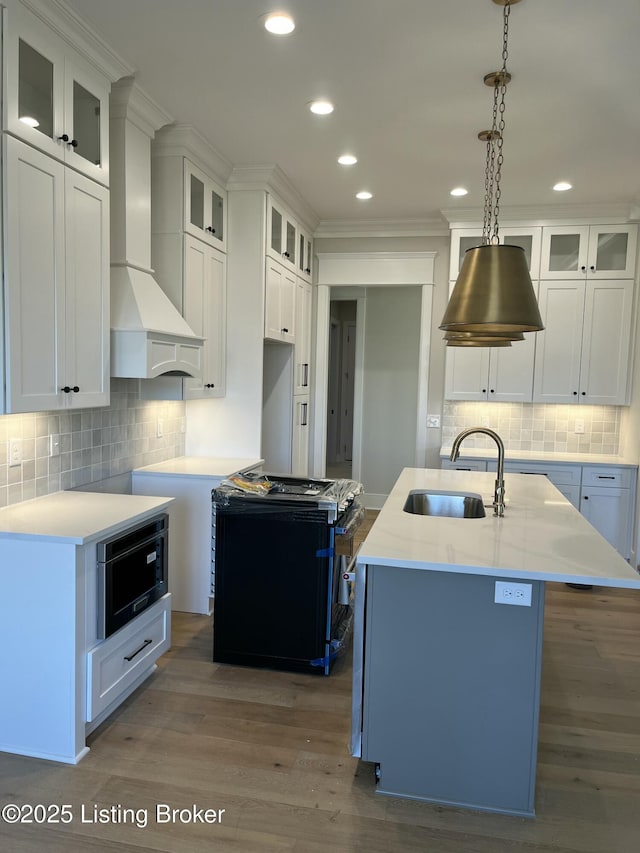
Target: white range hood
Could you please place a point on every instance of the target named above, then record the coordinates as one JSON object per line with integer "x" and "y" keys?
{"x": 149, "y": 336}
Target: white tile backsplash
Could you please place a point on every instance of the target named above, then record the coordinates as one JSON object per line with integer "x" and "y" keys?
{"x": 536, "y": 426}
{"x": 94, "y": 443}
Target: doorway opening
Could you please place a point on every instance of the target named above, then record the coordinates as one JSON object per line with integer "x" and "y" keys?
{"x": 340, "y": 390}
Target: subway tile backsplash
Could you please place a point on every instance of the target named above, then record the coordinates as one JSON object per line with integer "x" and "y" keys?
{"x": 536, "y": 426}
{"x": 94, "y": 443}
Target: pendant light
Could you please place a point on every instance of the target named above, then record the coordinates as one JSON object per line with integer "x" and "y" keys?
{"x": 493, "y": 292}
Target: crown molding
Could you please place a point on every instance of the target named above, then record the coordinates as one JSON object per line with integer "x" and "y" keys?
{"x": 128, "y": 100}
{"x": 187, "y": 141}
{"x": 271, "y": 178}
{"x": 70, "y": 27}
{"x": 382, "y": 228}
{"x": 574, "y": 214}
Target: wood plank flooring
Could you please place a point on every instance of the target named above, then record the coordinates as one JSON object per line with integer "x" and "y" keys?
{"x": 271, "y": 749}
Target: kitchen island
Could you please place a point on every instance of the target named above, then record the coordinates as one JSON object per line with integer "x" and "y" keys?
{"x": 447, "y": 660}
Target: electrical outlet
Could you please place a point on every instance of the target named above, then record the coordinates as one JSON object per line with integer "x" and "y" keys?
{"x": 15, "y": 452}
{"x": 579, "y": 428}
{"x": 433, "y": 421}
{"x": 159, "y": 428}
{"x": 54, "y": 445}
{"x": 507, "y": 592}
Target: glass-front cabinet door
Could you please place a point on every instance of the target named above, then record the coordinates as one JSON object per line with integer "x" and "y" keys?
{"x": 55, "y": 101}
{"x": 466, "y": 238}
{"x": 304, "y": 255}
{"x": 205, "y": 207}
{"x": 282, "y": 234}
{"x": 588, "y": 251}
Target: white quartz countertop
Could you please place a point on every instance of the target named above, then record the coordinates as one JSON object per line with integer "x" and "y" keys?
{"x": 77, "y": 517}
{"x": 541, "y": 536}
{"x": 542, "y": 456}
{"x": 200, "y": 466}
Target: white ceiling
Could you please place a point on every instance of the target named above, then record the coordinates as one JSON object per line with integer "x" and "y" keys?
{"x": 406, "y": 80}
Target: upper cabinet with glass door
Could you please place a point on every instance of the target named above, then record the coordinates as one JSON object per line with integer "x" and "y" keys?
{"x": 282, "y": 235}
{"x": 305, "y": 255}
{"x": 588, "y": 251}
{"x": 466, "y": 238}
{"x": 55, "y": 100}
{"x": 205, "y": 207}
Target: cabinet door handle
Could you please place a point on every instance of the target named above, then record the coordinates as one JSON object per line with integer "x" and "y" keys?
{"x": 584, "y": 393}
{"x": 284, "y": 330}
{"x": 308, "y": 271}
{"x": 583, "y": 268}
{"x": 210, "y": 385}
{"x": 286, "y": 255}
{"x": 305, "y": 375}
{"x": 593, "y": 269}
{"x": 484, "y": 390}
{"x": 63, "y": 138}
{"x": 210, "y": 229}
{"x": 75, "y": 389}
{"x": 575, "y": 393}
{"x": 66, "y": 389}
{"x": 303, "y": 421}
{"x": 586, "y": 497}
{"x": 491, "y": 391}
{"x": 137, "y": 651}
{"x": 74, "y": 143}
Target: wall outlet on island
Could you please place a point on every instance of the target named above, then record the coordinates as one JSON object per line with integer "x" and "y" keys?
{"x": 508, "y": 592}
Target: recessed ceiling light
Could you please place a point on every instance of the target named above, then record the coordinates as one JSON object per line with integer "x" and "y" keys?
{"x": 562, "y": 186}
{"x": 321, "y": 108}
{"x": 459, "y": 191}
{"x": 30, "y": 121}
{"x": 279, "y": 24}
{"x": 364, "y": 195}
{"x": 347, "y": 160}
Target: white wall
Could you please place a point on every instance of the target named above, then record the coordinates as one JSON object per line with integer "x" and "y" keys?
{"x": 390, "y": 388}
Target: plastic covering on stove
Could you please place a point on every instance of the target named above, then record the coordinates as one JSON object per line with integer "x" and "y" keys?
{"x": 344, "y": 491}
{"x": 349, "y": 524}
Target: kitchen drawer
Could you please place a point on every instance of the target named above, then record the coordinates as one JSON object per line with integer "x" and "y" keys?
{"x": 115, "y": 664}
{"x": 560, "y": 475}
{"x": 463, "y": 464}
{"x": 599, "y": 475}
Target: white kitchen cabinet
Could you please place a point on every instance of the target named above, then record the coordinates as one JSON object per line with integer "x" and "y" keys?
{"x": 566, "y": 478}
{"x": 194, "y": 277}
{"x": 302, "y": 347}
{"x": 56, "y": 284}
{"x": 607, "y": 502}
{"x": 55, "y": 100}
{"x": 529, "y": 237}
{"x": 186, "y": 196}
{"x": 494, "y": 374}
{"x": 588, "y": 251}
{"x": 280, "y": 301}
{"x": 300, "y": 437}
{"x": 282, "y": 234}
{"x": 582, "y": 356}
{"x": 305, "y": 255}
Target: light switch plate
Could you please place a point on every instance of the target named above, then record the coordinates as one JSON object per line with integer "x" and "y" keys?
{"x": 433, "y": 421}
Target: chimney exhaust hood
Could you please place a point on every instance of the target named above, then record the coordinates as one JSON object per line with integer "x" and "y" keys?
{"x": 149, "y": 336}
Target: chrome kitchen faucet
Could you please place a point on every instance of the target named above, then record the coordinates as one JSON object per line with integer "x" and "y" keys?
{"x": 498, "y": 495}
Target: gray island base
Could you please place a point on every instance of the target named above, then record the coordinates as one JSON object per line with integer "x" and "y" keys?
{"x": 447, "y": 672}
{"x": 452, "y": 692}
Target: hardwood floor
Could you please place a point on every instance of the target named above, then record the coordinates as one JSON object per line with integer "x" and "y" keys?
{"x": 271, "y": 749}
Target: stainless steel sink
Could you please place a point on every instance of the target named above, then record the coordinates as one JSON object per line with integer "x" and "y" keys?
{"x": 444, "y": 504}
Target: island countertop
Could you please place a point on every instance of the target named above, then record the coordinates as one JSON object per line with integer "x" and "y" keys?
{"x": 541, "y": 536}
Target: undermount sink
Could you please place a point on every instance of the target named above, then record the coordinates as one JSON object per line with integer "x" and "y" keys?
{"x": 444, "y": 504}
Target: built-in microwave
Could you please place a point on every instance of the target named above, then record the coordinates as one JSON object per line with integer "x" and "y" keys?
{"x": 132, "y": 573}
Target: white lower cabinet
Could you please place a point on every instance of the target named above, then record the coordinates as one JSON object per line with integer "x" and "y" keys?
{"x": 117, "y": 663}
{"x": 607, "y": 501}
{"x": 56, "y": 284}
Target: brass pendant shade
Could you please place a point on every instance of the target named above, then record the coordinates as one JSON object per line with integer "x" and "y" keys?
{"x": 482, "y": 339}
{"x": 493, "y": 293}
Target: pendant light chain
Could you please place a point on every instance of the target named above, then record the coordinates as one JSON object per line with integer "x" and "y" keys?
{"x": 495, "y": 139}
{"x": 500, "y": 139}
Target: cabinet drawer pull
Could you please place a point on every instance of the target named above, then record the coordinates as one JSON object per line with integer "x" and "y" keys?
{"x": 137, "y": 652}
{"x": 606, "y": 477}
